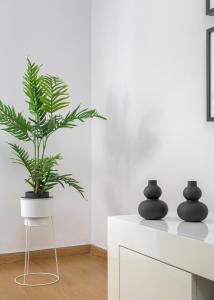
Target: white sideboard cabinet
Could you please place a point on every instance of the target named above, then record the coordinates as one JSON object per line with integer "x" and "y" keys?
{"x": 160, "y": 260}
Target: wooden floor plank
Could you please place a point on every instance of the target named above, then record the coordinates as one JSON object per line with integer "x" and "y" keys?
{"x": 83, "y": 277}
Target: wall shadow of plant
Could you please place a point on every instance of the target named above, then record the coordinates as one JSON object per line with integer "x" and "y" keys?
{"x": 130, "y": 139}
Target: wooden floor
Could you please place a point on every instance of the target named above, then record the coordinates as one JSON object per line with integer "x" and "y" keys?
{"x": 83, "y": 277}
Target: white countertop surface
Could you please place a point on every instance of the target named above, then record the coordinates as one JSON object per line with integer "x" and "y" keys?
{"x": 203, "y": 231}
{"x": 185, "y": 245}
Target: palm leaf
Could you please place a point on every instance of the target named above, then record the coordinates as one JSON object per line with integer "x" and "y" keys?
{"x": 33, "y": 90}
{"x": 88, "y": 114}
{"x": 54, "y": 179}
{"x": 55, "y": 94}
{"x": 15, "y": 123}
{"x": 67, "y": 179}
{"x": 23, "y": 158}
{"x": 71, "y": 118}
{"x": 32, "y": 87}
{"x": 48, "y": 164}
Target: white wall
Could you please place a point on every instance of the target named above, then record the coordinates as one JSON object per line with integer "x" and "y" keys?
{"x": 57, "y": 34}
{"x": 148, "y": 75}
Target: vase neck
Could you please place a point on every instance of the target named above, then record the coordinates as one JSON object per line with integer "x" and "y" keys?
{"x": 192, "y": 183}
{"x": 152, "y": 182}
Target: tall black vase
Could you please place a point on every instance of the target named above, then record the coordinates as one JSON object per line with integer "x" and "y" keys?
{"x": 192, "y": 210}
{"x": 152, "y": 208}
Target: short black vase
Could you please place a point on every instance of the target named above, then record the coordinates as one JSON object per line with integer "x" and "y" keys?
{"x": 192, "y": 210}
{"x": 152, "y": 208}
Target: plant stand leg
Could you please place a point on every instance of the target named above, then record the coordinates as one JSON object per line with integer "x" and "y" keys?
{"x": 55, "y": 251}
{"x": 27, "y": 251}
{"x": 24, "y": 276}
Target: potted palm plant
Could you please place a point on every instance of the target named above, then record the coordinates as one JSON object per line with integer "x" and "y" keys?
{"x": 46, "y": 96}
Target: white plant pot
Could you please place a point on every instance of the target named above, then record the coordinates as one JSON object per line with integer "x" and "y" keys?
{"x": 36, "y": 212}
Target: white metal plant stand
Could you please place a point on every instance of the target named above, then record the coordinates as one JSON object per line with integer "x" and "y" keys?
{"x": 23, "y": 278}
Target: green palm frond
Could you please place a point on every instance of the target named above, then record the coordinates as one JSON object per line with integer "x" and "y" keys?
{"x": 71, "y": 118}
{"x": 33, "y": 90}
{"x": 15, "y": 123}
{"x": 32, "y": 87}
{"x": 23, "y": 158}
{"x": 51, "y": 161}
{"x": 55, "y": 178}
{"x": 86, "y": 113}
{"x": 67, "y": 179}
{"x": 55, "y": 94}
{"x": 48, "y": 164}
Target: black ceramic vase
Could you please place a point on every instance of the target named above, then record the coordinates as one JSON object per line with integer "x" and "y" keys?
{"x": 152, "y": 208}
{"x": 192, "y": 210}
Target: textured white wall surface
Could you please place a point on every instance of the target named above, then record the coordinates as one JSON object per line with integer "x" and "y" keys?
{"x": 57, "y": 34}
{"x": 149, "y": 76}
